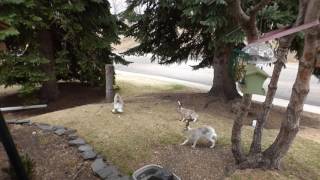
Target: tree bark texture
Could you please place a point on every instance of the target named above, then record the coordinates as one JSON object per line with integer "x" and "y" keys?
{"x": 223, "y": 84}
{"x": 236, "y": 129}
{"x": 290, "y": 125}
{"x": 109, "y": 82}
{"x": 252, "y": 35}
{"x": 281, "y": 54}
{"x": 49, "y": 90}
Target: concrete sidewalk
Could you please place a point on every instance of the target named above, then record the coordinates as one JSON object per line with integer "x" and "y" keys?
{"x": 258, "y": 98}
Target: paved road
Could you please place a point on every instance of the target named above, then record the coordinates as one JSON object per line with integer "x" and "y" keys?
{"x": 204, "y": 76}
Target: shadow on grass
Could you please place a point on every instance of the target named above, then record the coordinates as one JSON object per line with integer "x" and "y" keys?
{"x": 72, "y": 94}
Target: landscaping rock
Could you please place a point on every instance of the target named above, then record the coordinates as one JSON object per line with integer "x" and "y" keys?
{"x": 59, "y": 132}
{"x": 103, "y": 171}
{"x": 97, "y": 165}
{"x": 70, "y": 131}
{"x": 77, "y": 142}
{"x": 45, "y": 127}
{"x": 72, "y": 136}
{"x": 100, "y": 157}
{"x": 111, "y": 172}
{"x": 124, "y": 178}
{"x": 56, "y": 127}
{"x": 85, "y": 147}
{"x": 113, "y": 177}
{"x": 11, "y": 121}
{"x": 86, "y": 155}
{"x": 23, "y": 121}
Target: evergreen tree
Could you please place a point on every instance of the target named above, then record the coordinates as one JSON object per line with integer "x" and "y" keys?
{"x": 174, "y": 31}
{"x": 56, "y": 40}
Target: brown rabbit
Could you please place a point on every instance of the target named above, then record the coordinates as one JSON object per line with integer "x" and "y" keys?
{"x": 187, "y": 114}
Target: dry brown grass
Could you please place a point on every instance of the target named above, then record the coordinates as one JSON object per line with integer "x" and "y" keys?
{"x": 125, "y": 44}
{"x": 150, "y": 121}
{"x": 8, "y": 91}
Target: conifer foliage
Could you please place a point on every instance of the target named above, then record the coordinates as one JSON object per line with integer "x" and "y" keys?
{"x": 56, "y": 40}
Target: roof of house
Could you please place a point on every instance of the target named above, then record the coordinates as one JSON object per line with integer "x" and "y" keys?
{"x": 252, "y": 69}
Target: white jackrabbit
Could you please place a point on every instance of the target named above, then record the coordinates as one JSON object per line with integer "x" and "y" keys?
{"x": 187, "y": 114}
{"x": 194, "y": 134}
{"x": 117, "y": 104}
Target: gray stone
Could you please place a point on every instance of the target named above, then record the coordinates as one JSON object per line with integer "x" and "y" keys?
{"x": 23, "y": 121}
{"x": 77, "y": 142}
{"x": 72, "y": 136}
{"x": 45, "y": 127}
{"x": 43, "y": 124}
{"x": 97, "y": 165}
{"x": 113, "y": 177}
{"x": 85, "y": 147}
{"x": 70, "y": 131}
{"x": 59, "y": 132}
{"x": 111, "y": 172}
{"x": 56, "y": 127}
{"x": 124, "y": 178}
{"x": 103, "y": 171}
{"x": 86, "y": 155}
{"x": 11, "y": 121}
{"x": 100, "y": 157}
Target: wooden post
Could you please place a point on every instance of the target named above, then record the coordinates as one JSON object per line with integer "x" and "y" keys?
{"x": 109, "y": 82}
{"x": 11, "y": 150}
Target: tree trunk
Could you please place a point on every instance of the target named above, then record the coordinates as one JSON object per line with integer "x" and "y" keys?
{"x": 109, "y": 82}
{"x": 223, "y": 84}
{"x": 3, "y": 46}
{"x": 282, "y": 52}
{"x": 49, "y": 90}
{"x": 290, "y": 125}
{"x": 236, "y": 129}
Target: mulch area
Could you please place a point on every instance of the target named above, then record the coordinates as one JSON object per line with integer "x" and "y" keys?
{"x": 52, "y": 156}
{"x": 201, "y": 163}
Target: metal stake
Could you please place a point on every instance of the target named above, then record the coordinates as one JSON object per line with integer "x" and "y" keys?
{"x": 11, "y": 150}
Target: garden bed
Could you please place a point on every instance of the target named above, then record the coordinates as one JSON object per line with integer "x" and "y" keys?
{"x": 51, "y": 155}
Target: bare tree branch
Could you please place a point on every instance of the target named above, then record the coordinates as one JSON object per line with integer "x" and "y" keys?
{"x": 237, "y": 11}
{"x": 258, "y": 7}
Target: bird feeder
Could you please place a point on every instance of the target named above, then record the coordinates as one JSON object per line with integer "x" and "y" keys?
{"x": 253, "y": 80}
{"x": 260, "y": 53}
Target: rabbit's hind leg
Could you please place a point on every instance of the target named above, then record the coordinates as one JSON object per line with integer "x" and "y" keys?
{"x": 185, "y": 142}
{"x": 213, "y": 143}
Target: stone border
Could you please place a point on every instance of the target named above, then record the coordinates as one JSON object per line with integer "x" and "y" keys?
{"x": 99, "y": 166}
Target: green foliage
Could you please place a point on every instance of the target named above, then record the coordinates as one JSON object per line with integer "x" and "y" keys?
{"x": 177, "y": 30}
{"x": 82, "y": 32}
{"x": 174, "y": 31}
{"x": 8, "y": 32}
{"x": 23, "y": 70}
